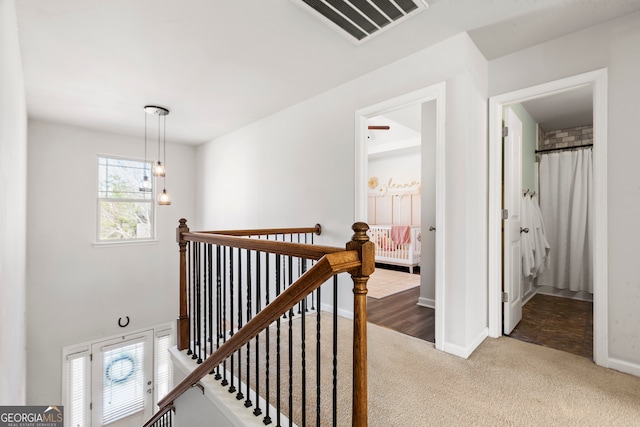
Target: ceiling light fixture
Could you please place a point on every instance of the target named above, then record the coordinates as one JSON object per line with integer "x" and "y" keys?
{"x": 159, "y": 170}
{"x": 145, "y": 186}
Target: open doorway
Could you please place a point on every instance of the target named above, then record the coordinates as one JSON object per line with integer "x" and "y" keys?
{"x": 394, "y": 204}
{"x": 511, "y": 286}
{"x": 397, "y": 194}
{"x": 556, "y": 227}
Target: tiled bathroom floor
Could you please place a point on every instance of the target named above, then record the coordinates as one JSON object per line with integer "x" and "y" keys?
{"x": 561, "y": 323}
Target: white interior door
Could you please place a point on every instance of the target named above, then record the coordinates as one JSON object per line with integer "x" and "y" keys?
{"x": 512, "y": 265}
{"x": 122, "y": 381}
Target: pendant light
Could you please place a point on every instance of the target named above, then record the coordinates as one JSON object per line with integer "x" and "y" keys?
{"x": 159, "y": 169}
{"x": 145, "y": 185}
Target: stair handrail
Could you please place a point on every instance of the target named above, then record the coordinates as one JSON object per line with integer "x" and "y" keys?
{"x": 357, "y": 259}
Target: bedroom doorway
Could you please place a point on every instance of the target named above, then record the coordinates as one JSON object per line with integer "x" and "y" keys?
{"x": 394, "y": 203}
{"x": 595, "y": 83}
{"x": 397, "y": 193}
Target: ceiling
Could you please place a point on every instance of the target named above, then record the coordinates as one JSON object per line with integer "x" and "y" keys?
{"x": 220, "y": 65}
{"x": 562, "y": 110}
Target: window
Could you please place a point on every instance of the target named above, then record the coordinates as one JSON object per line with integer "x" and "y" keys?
{"x": 123, "y": 382}
{"x": 163, "y": 364}
{"x": 77, "y": 385}
{"x": 125, "y": 209}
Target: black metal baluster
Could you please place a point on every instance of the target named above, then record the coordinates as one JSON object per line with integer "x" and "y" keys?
{"x": 284, "y": 269}
{"x": 257, "y": 411}
{"x": 199, "y": 300}
{"x": 313, "y": 294}
{"x": 299, "y": 274}
{"x": 224, "y": 313}
{"x": 247, "y": 402}
{"x": 303, "y": 344}
{"x": 207, "y": 301}
{"x": 189, "y": 307}
{"x": 267, "y": 419}
{"x": 290, "y": 272}
{"x": 218, "y": 307}
{"x": 290, "y": 365}
{"x": 194, "y": 273}
{"x": 318, "y": 367}
{"x": 335, "y": 350}
{"x": 232, "y": 387}
{"x": 239, "y": 395}
{"x": 278, "y": 372}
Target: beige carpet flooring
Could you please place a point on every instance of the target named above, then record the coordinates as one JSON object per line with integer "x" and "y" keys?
{"x": 505, "y": 382}
{"x": 383, "y": 283}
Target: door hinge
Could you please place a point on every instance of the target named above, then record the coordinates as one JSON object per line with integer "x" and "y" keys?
{"x": 90, "y": 406}
{"x": 505, "y": 297}
{"x": 505, "y": 213}
{"x": 505, "y": 132}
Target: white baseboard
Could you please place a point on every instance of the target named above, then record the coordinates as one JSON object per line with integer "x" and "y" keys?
{"x": 347, "y": 314}
{"x": 564, "y": 293}
{"x": 624, "y": 366}
{"x": 465, "y": 352}
{"x": 427, "y": 302}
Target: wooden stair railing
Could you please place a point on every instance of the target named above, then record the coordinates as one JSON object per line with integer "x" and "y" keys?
{"x": 357, "y": 259}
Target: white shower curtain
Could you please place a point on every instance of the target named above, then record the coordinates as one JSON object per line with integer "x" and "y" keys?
{"x": 566, "y": 205}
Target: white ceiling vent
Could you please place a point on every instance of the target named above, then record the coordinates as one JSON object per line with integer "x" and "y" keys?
{"x": 359, "y": 20}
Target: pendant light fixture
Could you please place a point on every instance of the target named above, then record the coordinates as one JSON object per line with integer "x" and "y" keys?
{"x": 159, "y": 169}
{"x": 145, "y": 185}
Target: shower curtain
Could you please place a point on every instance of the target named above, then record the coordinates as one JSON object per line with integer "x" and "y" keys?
{"x": 566, "y": 205}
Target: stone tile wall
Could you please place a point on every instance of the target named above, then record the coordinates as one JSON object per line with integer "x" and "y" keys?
{"x": 564, "y": 138}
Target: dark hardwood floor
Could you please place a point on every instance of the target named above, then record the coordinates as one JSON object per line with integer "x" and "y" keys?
{"x": 561, "y": 323}
{"x": 400, "y": 312}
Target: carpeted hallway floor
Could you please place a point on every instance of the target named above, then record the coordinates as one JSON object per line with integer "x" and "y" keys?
{"x": 505, "y": 382}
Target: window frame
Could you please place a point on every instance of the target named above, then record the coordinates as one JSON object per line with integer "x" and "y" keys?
{"x": 151, "y": 201}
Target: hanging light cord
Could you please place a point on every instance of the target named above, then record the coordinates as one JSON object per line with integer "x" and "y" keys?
{"x": 158, "y": 138}
{"x": 145, "y": 143}
{"x": 164, "y": 147}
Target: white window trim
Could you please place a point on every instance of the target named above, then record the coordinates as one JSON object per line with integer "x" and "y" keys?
{"x": 125, "y": 242}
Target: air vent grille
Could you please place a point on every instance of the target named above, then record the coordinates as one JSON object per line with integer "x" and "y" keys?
{"x": 361, "y": 19}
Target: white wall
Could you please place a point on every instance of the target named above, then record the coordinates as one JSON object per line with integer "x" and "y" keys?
{"x": 402, "y": 166}
{"x": 13, "y": 205}
{"x": 613, "y": 45}
{"x": 76, "y": 291}
{"x": 296, "y": 168}
{"x": 529, "y": 146}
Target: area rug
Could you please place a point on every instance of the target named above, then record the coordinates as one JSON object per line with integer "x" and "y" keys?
{"x": 383, "y": 283}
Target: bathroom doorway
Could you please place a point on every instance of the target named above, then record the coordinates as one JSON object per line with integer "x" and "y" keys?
{"x": 515, "y": 296}
{"x": 555, "y": 235}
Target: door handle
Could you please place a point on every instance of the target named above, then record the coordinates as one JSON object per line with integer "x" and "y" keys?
{"x": 524, "y": 230}
{"x": 432, "y": 228}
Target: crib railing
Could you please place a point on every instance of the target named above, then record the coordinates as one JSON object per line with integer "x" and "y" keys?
{"x": 250, "y": 317}
{"x": 393, "y": 252}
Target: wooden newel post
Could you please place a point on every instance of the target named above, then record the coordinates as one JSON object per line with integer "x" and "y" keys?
{"x": 360, "y": 243}
{"x": 183, "y": 320}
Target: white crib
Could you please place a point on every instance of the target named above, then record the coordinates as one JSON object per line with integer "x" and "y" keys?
{"x": 388, "y": 252}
